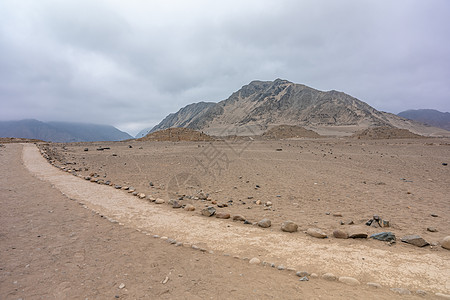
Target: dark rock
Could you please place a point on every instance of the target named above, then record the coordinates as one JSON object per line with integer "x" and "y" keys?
{"x": 150, "y": 184}
{"x": 432, "y": 229}
{"x": 304, "y": 278}
{"x": 444, "y": 164}
{"x": 129, "y": 146}
{"x": 247, "y": 222}
{"x": 415, "y": 240}
{"x": 86, "y": 149}
{"x": 434, "y": 215}
{"x": 383, "y": 236}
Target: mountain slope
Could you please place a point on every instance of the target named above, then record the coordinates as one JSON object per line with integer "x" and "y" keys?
{"x": 261, "y": 105}
{"x": 61, "y": 131}
{"x": 428, "y": 116}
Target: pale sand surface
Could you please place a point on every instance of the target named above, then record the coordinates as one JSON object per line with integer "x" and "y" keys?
{"x": 52, "y": 248}
{"x": 394, "y": 266}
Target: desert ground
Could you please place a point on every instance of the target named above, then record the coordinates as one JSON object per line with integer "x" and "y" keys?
{"x": 63, "y": 236}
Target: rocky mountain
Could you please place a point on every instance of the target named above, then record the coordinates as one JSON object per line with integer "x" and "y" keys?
{"x": 261, "y": 105}
{"x": 61, "y": 131}
{"x": 428, "y": 116}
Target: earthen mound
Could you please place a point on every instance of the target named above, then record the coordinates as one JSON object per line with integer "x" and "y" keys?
{"x": 289, "y": 131}
{"x": 385, "y": 133}
{"x": 177, "y": 135}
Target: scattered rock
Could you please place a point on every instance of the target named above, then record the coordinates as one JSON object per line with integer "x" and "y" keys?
{"x": 414, "y": 240}
{"x": 122, "y": 285}
{"x": 86, "y": 149}
{"x": 189, "y": 207}
{"x": 141, "y": 195}
{"x": 247, "y": 222}
{"x": 357, "y": 233}
{"x": 442, "y": 296}
{"x": 445, "y": 243}
{"x": 304, "y": 278}
{"x": 340, "y": 234}
{"x": 281, "y": 267}
{"x": 265, "y": 223}
{"x": 159, "y": 201}
{"x": 383, "y": 236}
{"x": 434, "y": 215}
{"x": 401, "y": 291}
{"x": 374, "y": 285}
{"x": 314, "y": 275}
{"x": 316, "y": 232}
{"x": 349, "y": 281}
{"x": 254, "y": 261}
{"x": 302, "y": 273}
{"x": 289, "y": 226}
{"x": 268, "y": 203}
{"x": 329, "y": 277}
{"x": 222, "y": 215}
{"x": 209, "y": 211}
{"x": 432, "y": 229}
{"x": 338, "y": 214}
{"x": 421, "y": 293}
{"x": 258, "y": 202}
{"x": 176, "y": 204}
{"x": 238, "y": 218}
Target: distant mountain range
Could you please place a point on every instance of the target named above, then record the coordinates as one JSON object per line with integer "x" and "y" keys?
{"x": 428, "y": 116}
{"x": 261, "y": 105}
{"x": 63, "y": 132}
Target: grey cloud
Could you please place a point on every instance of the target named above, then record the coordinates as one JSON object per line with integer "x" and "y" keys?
{"x": 131, "y": 63}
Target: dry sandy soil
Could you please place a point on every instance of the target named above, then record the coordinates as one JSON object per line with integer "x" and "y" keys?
{"x": 52, "y": 247}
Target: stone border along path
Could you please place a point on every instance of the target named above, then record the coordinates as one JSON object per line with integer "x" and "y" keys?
{"x": 398, "y": 270}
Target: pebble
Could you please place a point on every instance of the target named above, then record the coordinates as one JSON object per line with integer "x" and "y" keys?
{"x": 338, "y": 214}
{"x": 265, "y": 223}
{"x": 122, "y": 285}
{"x": 374, "y": 285}
{"x": 421, "y": 293}
{"x": 209, "y": 211}
{"x": 357, "y": 233}
{"x": 254, "y": 261}
{"x": 223, "y": 215}
{"x": 431, "y": 229}
{"x": 414, "y": 240}
{"x": 316, "y": 232}
{"x": 314, "y": 275}
{"x": 340, "y": 234}
{"x": 329, "y": 276}
{"x": 159, "y": 201}
{"x": 238, "y": 218}
{"x": 268, "y": 203}
{"x": 304, "y": 278}
{"x": 281, "y": 267}
{"x": 445, "y": 243}
{"x": 349, "y": 281}
{"x": 289, "y": 226}
{"x": 401, "y": 291}
{"x": 189, "y": 207}
{"x": 258, "y": 202}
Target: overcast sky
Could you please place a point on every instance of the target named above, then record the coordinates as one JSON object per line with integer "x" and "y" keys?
{"x": 130, "y": 63}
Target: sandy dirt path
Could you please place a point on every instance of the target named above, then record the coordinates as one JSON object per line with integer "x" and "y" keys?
{"x": 402, "y": 268}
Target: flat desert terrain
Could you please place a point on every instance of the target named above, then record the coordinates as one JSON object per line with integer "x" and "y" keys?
{"x": 83, "y": 236}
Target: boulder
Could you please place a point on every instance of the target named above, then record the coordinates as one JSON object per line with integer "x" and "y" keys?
{"x": 414, "y": 240}
{"x": 238, "y": 218}
{"x": 316, "y": 232}
{"x": 209, "y": 211}
{"x": 265, "y": 223}
{"x": 445, "y": 243}
{"x": 222, "y": 215}
{"x": 289, "y": 226}
{"x": 340, "y": 234}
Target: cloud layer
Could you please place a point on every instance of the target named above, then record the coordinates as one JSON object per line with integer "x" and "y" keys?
{"x": 130, "y": 63}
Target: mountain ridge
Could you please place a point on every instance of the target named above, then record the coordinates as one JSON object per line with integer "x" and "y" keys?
{"x": 260, "y": 105}
{"x": 64, "y": 132}
{"x": 431, "y": 117}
